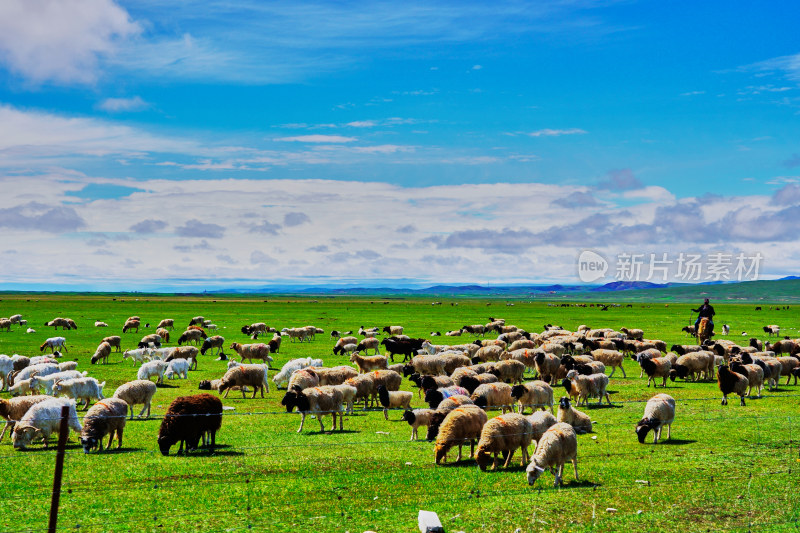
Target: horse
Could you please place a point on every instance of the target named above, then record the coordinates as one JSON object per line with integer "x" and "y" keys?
{"x": 703, "y": 331}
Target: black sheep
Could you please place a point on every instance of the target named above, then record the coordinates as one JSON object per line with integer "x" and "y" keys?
{"x": 433, "y": 427}
{"x": 187, "y": 419}
{"x": 731, "y": 382}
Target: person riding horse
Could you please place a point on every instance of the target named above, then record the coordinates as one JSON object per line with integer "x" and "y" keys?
{"x": 705, "y": 311}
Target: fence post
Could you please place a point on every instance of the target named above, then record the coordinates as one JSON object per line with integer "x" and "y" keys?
{"x": 62, "y": 444}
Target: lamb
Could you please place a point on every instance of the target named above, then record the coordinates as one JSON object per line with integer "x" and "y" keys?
{"x": 188, "y": 419}
{"x": 426, "y": 383}
{"x": 347, "y": 348}
{"x": 166, "y": 323}
{"x": 393, "y": 399}
{"x": 179, "y": 368}
{"x": 192, "y": 335}
{"x": 504, "y": 434}
{"x": 21, "y": 387}
{"x": 37, "y": 382}
{"x": 115, "y": 341}
{"x": 788, "y": 364}
{"x": 184, "y": 352}
{"x": 393, "y": 330}
{"x": 53, "y": 343}
{"x": 454, "y": 333}
{"x": 296, "y": 333}
{"x": 336, "y": 375}
{"x": 659, "y": 412}
{"x": 493, "y": 395}
{"x": 256, "y": 327}
{"x": 772, "y": 329}
{"x": 275, "y": 344}
{"x": 197, "y": 321}
{"x": 245, "y": 375}
{"x": 417, "y": 418}
{"x": 152, "y": 368}
{"x": 14, "y": 409}
{"x": 731, "y": 382}
{"x": 58, "y": 322}
{"x": 252, "y": 351}
{"x": 303, "y": 379}
{"x": 541, "y": 421}
{"x": 16, "y": 319}
{"x": 461, "y": 425}
{"x": 131, "y": 324}
{"x": 150, "y": 341}
{"x": 84, "y": 388}
{"x": 577, "y": 419}
{"x": 319, "y": 401}
{"x": 637, "y": 334}
{"x": 558, "y": 445}
{"x": 213, "y": 342}
{"x": 369, "y": 344}
{"x": 366, "y": 364}
{"x": 658, "y": 367}
{"x": 612, "y": 358}
{"x": 43, "y": 419}
{"x": 106, "y": 417}
{"x": 295, "y": 364}
{"x": 534, "y": 394}
{"x": 342, "y": 342}
{"x": 140, "y": 391}
{"x": 102, "y": 353}
{"x": 585, "y": 387}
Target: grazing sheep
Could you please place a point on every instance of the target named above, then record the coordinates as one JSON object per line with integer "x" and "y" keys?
{"x": 368, "y": 363}
{"x": 541, "y": 421}
{"x": 102, "y": 353}
{"x": 252, "y": 351}
{"x": 139, "y": 355}
{"x": 585, "y": 387}
{"x": 14, "y": 409}
{"x": 46, "y": 382}
{"x": 140, "y": 391}
{"x": 434, "y": 397}
{"x": 508, "y": 371}
{"x": 754, "y": 374}
{"x": 504, "y": 434}
{"x": 83, "y": 388}
{"x": 694, "y": 364}
{"x": 43, "y": 419}
{"x": 611, "y": 358}
{"x": 41, "y": 369}
{"x": 788, "y": 364}
{"x": 772, "y": 329}
{"x": 342, "y": 342}
{"x": 534, "y": 394}
{"x": 131, "y": 324}
{"x": 319, "y": 401}
{"x": 393, "y": 399}
{"x": 303, "y": 379}
{"x": 415, "y": 419}
{"x": 106, "y": 417}
{"x": 21, "y": 387}
{"x": 558, "y": 445}
{"x": 166, "y": 323}
{"x": 53, "y": 343}
{"x": 488, "y": 353}
{"x": 461, "y": 425}
{"x": 637, "y": 334}
{"x": 577, "y": 419}
{"x": 493, "y": 395}
{"x": 472, "y": 382}
{"x": 245, "y": 375}
{"x": 295, "y": 364}
{"x": 59, "y": 322}
{"x": 256, "y": 327}
{"x": 212, "y": 342}
{"x": 659, "y": 412}
{"x": 393, "y": 330}
{"x": 150, "y": 341}
{"x": 731, "y": 382}
{"x": 369, "y": 344}
{"x": 336, "y": 375}
{"x": 115, "y": 341}
{"x": 163, "y": 333}
{"x": 179, "y": 368}
{"x": 192, "y": 335}
{"x": 547, "y": 366}
{"x": 658, "y": 367}
{"x": 197, "y": 321}
{"x": 426, "y": 364}
{"x": 188, "y": 419}
{"x": 152, "y": 368}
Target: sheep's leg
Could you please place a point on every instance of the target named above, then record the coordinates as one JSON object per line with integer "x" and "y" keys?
{"x": 9, "y": 423}
{"x": 526, "y": 455}
{"x": 575, "y": 465}
{"x": 613, "y": 369}
{"x": 669, "y": 432}
{"x": 742, "y": 403}
{"x": 508, "y": 459}
{"x": 226, "y": 393}
{"x": 458, "y": 458}
{"x": 321, "y": 426}
{"x": 413, "y": 434}
{"x": 386, "y": 413}
{"x": 724, "y": 399}
{"x": 302, "y": 421}
{"x": 557, "y": 473}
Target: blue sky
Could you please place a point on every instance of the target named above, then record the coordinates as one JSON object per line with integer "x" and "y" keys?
{"x": 196, "y": 114}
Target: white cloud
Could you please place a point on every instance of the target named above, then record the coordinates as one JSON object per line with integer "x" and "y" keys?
{"x": 61, "y": 40}
{"x": 118, "y": 105}
{"x": 362, "y": 124}
{"x": 477, "y": 67}
{"x": 555, "y": 133}
{"x": 318, "y": 139}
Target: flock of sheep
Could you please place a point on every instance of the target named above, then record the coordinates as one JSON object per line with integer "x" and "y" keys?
{"x": 460, "y": 383}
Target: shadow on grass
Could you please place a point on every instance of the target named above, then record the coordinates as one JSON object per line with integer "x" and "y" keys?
{"x": 166, "y": 386}
{"x": 674, "y": 442}
{"x": 330, "y": 432}
{"x": 594, "y": 406}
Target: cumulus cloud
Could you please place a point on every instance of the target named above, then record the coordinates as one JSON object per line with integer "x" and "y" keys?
{"x": 42, "y": 217}
{"x": 295, "y": 219}
{"x": 319, "y": 248}
{"x": 196, "y": 228}
{"x": 620, "y": 180}
{"x": 787, "y": 195}
{"x": 317, "y": 139}
{"x": 260, "y": 258}
{"x": 410, "y": 228}
{"x": 266, "y": 227}
{"x": 61, "y": 40}
{"x": 576, "y": 200}
{"x": 547, "y": 132}
{"x": 151, "y": 225}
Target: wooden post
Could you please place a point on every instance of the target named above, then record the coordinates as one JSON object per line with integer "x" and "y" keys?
{"x": 62, "y": 444}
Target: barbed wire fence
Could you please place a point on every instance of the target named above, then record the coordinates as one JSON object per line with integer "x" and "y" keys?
{"x": 764, "y": 454}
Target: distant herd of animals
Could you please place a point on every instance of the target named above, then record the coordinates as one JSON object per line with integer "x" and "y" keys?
{"x": 461, "y": 383}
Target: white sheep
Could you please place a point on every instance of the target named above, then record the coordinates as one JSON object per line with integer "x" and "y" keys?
{"x": 136, "y": 392}
{"x": 83, "y": 388}
{"x": 179, "y": 368}
{"x": 393, "y": 399}
{"x": 558, "y": 445}
{"x": 152, "y": 368}
{"x": 46, "y": 382}
{"x": 295, "y": 364}
{"x": 42, "y": 420}
{"x": 658, "y": 412}
{"x": 140, "y": 355}
{"x": 417, "y": 418}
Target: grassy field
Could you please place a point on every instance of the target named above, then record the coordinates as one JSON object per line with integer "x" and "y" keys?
{"x": 726, "y": 468}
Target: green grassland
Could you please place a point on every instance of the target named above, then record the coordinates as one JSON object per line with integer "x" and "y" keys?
{"x": 726, "y": 468}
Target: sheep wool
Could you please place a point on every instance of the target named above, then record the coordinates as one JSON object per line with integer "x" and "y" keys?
{"x": 42, "y": 420}
{"x": 558, "y": 445}
{"x": 140, "y": 391}
{"x": 658, "y": 412}
{"x": 187, "y": 420}
{"x": 504, "y": 434}
{"x": 106, "y": 417}
{"x": 461, "y": 425}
